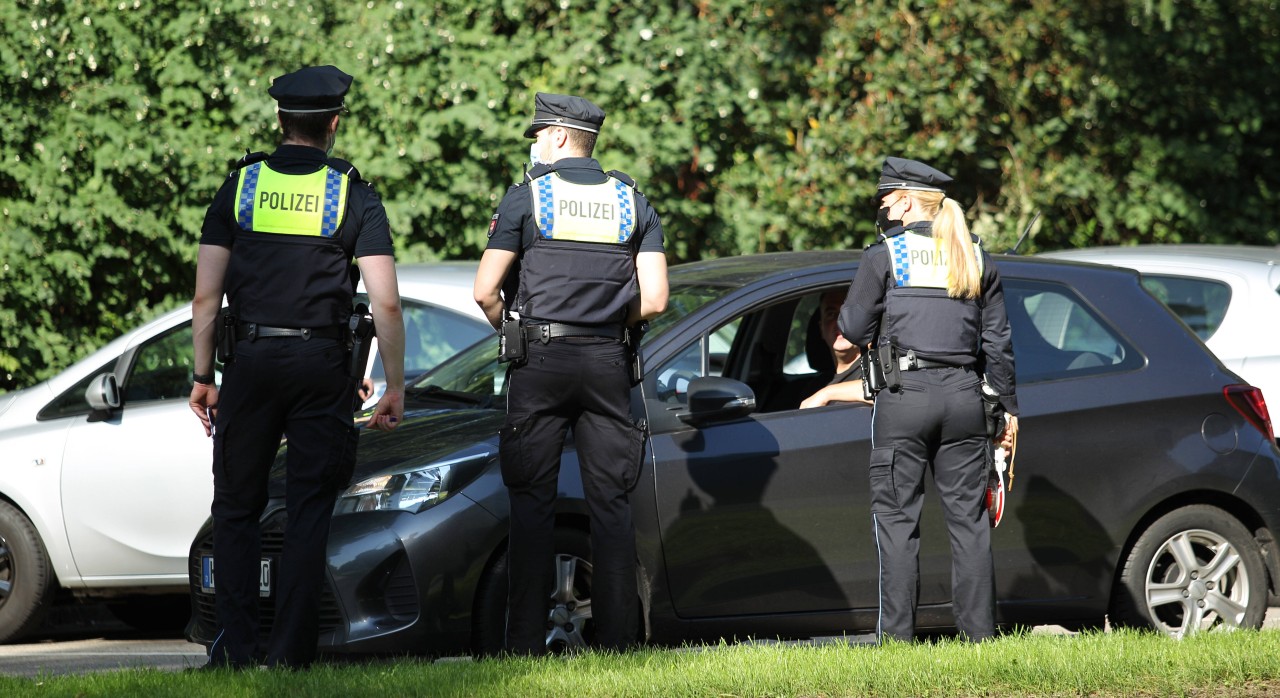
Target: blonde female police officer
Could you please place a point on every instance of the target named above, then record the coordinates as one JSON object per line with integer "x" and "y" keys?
{"x": 578, "y": 253}
{"x": 928, "y": 289}
{"x": 279, "y": 240}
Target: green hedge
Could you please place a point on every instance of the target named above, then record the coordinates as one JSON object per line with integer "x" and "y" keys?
{"x": 751, "y": 126}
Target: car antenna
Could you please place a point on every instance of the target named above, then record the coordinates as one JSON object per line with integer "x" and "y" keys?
{"x": 1025, "y": 233}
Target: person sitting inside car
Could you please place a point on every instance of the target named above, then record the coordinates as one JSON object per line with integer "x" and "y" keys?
{"x": 846, "y": 385}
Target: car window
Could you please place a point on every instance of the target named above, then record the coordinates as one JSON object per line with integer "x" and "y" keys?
{"x": 1057, "y": 335}
{"x": 770, "y": 349}
{"x": 161, "y": 368}
{"x": 1201, "y": 303}
{"x": 431, "y": 335}
{"x": 795, "y": 360}
{"x": 705, "y": 356}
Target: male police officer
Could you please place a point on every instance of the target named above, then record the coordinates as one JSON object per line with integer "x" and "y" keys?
{"x": 590, "y": 260}
{"x": 279, "y": 239}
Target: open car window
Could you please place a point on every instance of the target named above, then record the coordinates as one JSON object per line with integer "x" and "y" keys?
{"x": 777, "y": 350}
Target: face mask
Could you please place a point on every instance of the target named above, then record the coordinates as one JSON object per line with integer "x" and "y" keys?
{"x": 533, "y": 154}
{"x": 883, "y": 221}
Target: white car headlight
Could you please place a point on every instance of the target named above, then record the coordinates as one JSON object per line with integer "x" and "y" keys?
{"x": 411, "y": 490}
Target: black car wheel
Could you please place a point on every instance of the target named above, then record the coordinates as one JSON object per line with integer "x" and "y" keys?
{"x": 26, "y": 579}
{"x": 568, "y": 609}
{"x": 1195, "y": 569}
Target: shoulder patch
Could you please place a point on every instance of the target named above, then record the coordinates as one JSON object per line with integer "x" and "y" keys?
{"x": 493, "y": 225}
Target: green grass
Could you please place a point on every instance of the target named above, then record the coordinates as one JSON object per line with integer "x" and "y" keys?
{"x": 1122, "y": 663}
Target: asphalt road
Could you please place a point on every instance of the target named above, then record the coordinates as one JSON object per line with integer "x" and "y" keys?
{"x": 86, "y": 639}
{"x": 90, "y": 640}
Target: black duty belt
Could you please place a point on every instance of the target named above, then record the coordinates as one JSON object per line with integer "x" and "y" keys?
{"x": 911, "y": 362}
{"x": 252, "y": 331}
{"x": 547, "y": 331}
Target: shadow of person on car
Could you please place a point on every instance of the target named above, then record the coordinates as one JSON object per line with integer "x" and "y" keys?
{"x": 737, "y": 555}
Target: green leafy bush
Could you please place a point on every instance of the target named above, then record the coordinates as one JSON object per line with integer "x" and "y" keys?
{"x": 752, "y": 126}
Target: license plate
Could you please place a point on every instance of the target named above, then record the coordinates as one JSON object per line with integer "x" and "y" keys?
{"x": 207, "y": 581}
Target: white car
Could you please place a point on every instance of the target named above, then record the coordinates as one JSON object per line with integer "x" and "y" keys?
{"x": 104, "y": 502}
{"x": 1229, "y": 295}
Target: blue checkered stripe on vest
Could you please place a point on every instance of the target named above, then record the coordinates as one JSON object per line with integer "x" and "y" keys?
{"x": 546, "y": 204}
{"x": 901, "y": 258}
{"x": 626, "y": 212}
{"x": 247, "y": 192}
{"x": 332, "y": 195}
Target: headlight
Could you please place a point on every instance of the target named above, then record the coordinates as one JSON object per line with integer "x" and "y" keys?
{"x": 413, "y": 490}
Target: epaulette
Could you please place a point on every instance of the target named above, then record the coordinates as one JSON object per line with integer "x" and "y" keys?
{"x": 248, "y": 159}
{"x": 622, "y": 177}
{"x": 345, "y": 168}
{"x": 536, "y": 171}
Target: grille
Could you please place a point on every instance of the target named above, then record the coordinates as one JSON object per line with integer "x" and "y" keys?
{"x": 400, "y": 593}
{"x": 203, "y": 605}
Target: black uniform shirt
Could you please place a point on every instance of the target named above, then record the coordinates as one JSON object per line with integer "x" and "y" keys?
{"x": 365, "y": 216}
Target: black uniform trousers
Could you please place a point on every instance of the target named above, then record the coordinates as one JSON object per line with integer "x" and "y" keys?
{"x": 580, "y": 383}
{"x": 935, "y": 420}
{"x": 277, "y": 387}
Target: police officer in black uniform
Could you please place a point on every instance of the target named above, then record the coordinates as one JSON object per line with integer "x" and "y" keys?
{"x": 928, "y": 305}
{"x": 578, "y": 254}
{"x": 279, "y": 240}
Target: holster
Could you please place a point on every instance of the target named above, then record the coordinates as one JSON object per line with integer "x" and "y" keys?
{"x": 880, "y": 369}
{"x": 513, "y": 346}
{"x": 225, "y": 333}
{"x": 635, "y": 361}
{"x": 889, "y": 365}
{"x": 359, "y": 339}
{"x": 872, "y": 376}
{"x": 992, "y": 411}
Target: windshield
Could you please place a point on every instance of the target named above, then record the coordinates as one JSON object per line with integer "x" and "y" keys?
{"x": 474, "y": 375}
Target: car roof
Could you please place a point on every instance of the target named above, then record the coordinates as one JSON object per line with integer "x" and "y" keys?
{"x": 741, "y": 270}
{"x": 1251, "y": 254}
{"x": 447, "y": 284}
{"x": 1258, "y": 263}
{"x": 744, "y": 270}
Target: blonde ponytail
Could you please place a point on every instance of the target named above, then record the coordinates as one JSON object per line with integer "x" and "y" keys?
{"x": 964, "y": 279}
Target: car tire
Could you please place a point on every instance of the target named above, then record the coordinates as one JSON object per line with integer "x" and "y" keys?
{"x": 1195, "y": 569}
{"x": 153, "y": 614}
{"x": 570, "y": 602}
{"x": 26, "y": 577}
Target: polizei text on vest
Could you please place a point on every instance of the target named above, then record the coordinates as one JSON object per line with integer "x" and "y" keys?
{"x": 588, "y": 209}
{"x": 286, "y": 201}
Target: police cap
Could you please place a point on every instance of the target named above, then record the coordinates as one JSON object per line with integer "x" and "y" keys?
{"x": 564, "y": 110}
{"x": 900, "y": 173}
{"x": 311, "y": 90}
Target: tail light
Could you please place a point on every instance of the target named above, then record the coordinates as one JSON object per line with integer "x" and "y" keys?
{"x": 1249, "y": 403}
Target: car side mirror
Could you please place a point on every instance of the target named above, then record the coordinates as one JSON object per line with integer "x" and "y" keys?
{"x": 717, "y": 399}
{"x": 103, "y": 393}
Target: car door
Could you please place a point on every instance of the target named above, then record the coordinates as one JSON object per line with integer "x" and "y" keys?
{"x": 137, "y": 483}
{"x": 763, "y": 514}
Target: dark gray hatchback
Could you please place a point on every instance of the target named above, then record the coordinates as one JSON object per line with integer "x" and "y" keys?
{"x": 1147, "y": 486}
